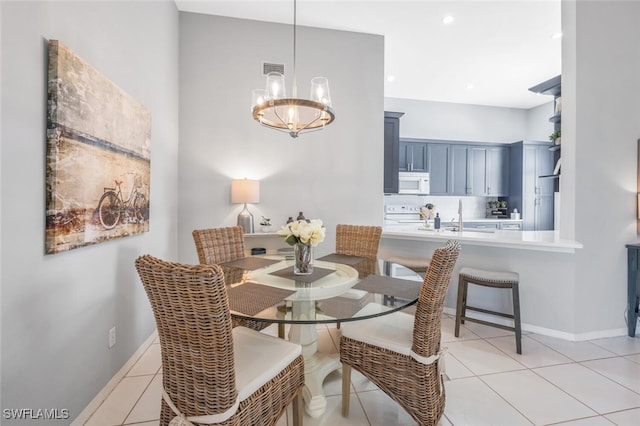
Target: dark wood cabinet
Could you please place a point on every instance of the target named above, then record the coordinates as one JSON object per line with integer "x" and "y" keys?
{"x": 391, "y": 151}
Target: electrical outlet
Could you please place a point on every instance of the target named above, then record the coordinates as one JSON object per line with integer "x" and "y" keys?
{"x": 112, "y": 337}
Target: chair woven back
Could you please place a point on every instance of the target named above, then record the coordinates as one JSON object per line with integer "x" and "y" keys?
{"x": 191, "y": 310}
{"x": 428, "y": 316}
{"x": 218, "y": 245}
{"x": 358, "y": 240}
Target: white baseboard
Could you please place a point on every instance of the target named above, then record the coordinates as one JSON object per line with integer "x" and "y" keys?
{"x": 579, "y": 337}
{"x": 110, "y": 386}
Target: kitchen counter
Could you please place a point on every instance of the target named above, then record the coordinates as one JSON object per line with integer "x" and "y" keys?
{"x": 549, "y": 241}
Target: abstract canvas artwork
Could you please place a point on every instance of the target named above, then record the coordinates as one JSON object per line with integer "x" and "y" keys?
{"x": 98, "y": 156}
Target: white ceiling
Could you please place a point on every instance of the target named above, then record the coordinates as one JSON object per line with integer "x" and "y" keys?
{"x": 501, "y": 47}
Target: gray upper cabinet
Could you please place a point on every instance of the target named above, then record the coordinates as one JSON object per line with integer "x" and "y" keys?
{"x": 391, "y": 150}
{"x": 458, "y": 170}
{"x": 498, "y": 171}
{"x": 438, "y": 165}
{"x": 413, "y": 157}
{"x": 477, "y": 170}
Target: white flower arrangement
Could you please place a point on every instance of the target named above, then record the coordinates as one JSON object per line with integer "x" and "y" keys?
{"x": 301, "y": 231}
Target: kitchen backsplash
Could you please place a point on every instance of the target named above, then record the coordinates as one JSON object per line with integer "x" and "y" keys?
{"x": 472, "y": 207}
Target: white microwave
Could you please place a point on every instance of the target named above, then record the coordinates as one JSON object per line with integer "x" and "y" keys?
{"x": 413, "y": 183}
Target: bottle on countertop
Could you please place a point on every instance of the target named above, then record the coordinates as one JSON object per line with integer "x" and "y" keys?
{"x": 300, "y": 216}
{"x": 436, "y": 221}
{"x": 290, "y": 220}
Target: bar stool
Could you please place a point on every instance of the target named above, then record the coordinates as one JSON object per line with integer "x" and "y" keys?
{"x": 496, "y": 279}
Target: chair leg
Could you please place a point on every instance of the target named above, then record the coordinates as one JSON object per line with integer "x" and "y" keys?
{"x": 346, "y": 389}
{"x": 462, "y": 284}
{"x": 297, "y": 410}
{"x": 516, "y": 317}
{"x": 281, "y": 330}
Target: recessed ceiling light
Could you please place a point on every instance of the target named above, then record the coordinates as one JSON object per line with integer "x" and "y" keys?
{"x": 391, "y": 78}
{"x": 447, "y": 19}
{"x": 556, "y": 35}
{"x": 470, "y": 86}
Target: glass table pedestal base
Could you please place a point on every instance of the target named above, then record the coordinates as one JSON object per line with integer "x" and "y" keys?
{"x": 317, "y": 366}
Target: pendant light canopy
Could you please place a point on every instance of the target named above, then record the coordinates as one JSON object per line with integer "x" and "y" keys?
{"x": 272, "y": 108}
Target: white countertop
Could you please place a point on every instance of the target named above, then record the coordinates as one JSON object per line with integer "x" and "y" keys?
{"x": 526, "y": 240}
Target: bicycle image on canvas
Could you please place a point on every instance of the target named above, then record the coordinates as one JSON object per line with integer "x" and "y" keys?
{"x": 98, "y": 156}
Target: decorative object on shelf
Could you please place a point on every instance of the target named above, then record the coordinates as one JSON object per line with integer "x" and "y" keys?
{"x": 301, "y": 216}
{"x": 558, "y": 105}
{"x": 303, "y": 236}
{"x": 265, "y": 223}
{"x": 555, "y": 137}
{"x": 272, "y": 108}
{"x": 290, "y": 219}
{"x": 245, "y": 191}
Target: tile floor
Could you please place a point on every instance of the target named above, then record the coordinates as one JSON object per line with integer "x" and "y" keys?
{"x": 554, "y": 382}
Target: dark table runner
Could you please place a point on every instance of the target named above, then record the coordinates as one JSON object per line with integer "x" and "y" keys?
{"x": 314, "y": 276}
{"x": 250, "y": 263}
{"x": 250, "y": 298}
{"x": 403, "y": 289}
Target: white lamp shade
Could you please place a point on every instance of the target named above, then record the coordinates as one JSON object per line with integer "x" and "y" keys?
{"x": 245, "y": 191}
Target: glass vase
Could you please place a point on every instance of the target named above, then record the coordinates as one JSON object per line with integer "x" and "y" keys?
{"x": 303, "y": 259}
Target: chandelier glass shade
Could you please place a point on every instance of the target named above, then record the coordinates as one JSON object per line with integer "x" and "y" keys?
{"x": 272, "y": 108}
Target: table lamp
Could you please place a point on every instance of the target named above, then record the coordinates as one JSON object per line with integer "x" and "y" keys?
{"x": 245, "y": 191}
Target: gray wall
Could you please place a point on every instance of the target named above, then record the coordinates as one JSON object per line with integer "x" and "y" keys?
{"x": 57, "y": 309}
{"x": 449, "y": 121}
{"x": 334, "y": 174}
{"x": 600, "y": 130}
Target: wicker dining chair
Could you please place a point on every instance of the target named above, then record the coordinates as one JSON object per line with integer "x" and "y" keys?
{"x": 213, "y": 373}
{"x": 400, "y": 352}
{"x": 360, "y": 240}
{"x": 219, "y": 245}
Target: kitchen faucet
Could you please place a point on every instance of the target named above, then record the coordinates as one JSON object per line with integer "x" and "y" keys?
{"x": 458, "y": 228}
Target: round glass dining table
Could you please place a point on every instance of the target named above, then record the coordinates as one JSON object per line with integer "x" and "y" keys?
{"x": 340, "y": 289}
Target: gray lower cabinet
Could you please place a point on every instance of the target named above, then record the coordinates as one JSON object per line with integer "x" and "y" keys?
{"x": 490, "y": 226}
{"x": 530, "y": 194}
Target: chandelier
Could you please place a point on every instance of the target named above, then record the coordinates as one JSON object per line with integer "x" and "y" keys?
{"x": 272, "y": 108}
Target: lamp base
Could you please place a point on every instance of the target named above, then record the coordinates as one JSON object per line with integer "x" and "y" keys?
{"x": 245, "y": 219}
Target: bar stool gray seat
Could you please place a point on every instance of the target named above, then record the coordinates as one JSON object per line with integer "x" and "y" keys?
{"x": 496, "y": 279}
